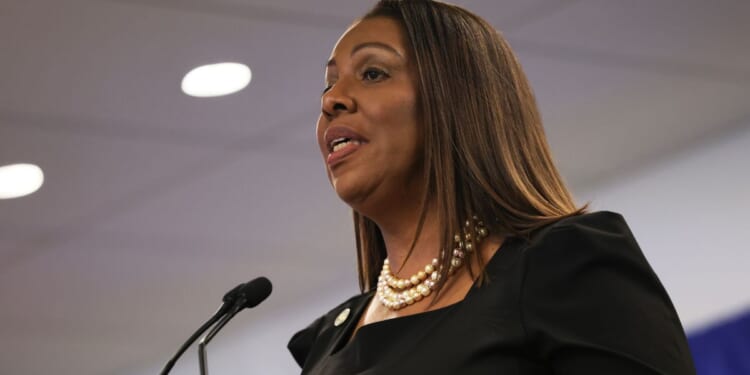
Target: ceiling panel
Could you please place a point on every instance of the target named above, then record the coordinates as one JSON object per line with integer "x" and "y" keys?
{"x": 692, "y": 37}
{"x": 328, "y": 10}
{"x": 509, "y": 15}
{"x": 88, "y": 175}
{"x": 122, "y": 64}
{"x": 602, "y": 121}
{"x": 337, "y": 13}
{"x": 253, "y": 198}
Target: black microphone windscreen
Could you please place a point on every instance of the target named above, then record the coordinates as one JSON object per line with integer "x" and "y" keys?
{"x": 255, "y": 291}
{"x": 232, "y": 295}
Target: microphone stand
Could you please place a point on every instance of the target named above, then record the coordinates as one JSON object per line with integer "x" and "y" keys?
{"x": 246, "y": 295}
{"x": 220, "y": 313}
{"x": 202, "y": 357}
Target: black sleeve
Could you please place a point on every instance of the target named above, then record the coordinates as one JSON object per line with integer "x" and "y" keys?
{"x": 301, "y": 343}
{"x": 591, "y": 304}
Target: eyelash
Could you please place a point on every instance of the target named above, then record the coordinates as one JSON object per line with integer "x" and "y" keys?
{"x": 381, "y": 75}
{"x": 374, "y": 70}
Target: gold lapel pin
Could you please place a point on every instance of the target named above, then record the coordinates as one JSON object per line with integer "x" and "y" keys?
{"x": 342, "y": 317}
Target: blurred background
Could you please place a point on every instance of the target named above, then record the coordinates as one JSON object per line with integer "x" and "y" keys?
{"x": 156, "y": 203}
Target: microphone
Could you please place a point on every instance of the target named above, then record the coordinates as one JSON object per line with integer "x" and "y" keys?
{"x": 250, "y": 295}
{"x": 245, "y": 295}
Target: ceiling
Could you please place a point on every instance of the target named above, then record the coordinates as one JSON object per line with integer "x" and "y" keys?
{"x": 155, "y": 203}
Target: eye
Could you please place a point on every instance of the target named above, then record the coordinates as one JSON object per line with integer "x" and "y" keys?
{"x": 373, "y": 74}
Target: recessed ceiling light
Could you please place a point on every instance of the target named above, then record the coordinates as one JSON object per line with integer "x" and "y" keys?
{"x": 17, "y": 180}
{"x": 216, "y": 79}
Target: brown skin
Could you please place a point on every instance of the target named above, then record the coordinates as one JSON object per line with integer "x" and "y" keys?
{"x": 372, "y": 90}
{"x": 373, "y": 93}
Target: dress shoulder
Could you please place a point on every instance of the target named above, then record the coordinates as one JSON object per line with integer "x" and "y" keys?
{"x": 591, "y": 303}
{"x": 304, "y": 341}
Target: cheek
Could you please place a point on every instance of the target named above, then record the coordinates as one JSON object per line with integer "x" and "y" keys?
{"x": 397, "y": 111}
{"x": 405, "y": 107}
{"x": 320, "y": 129}
{"x": 411, "y": 134}
{"x": 403, "y": 119}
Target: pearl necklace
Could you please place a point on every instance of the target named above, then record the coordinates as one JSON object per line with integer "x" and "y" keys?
{"x": 396, "y": 293}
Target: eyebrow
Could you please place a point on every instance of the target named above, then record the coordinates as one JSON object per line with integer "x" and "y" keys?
{"x": 360, "y": 46}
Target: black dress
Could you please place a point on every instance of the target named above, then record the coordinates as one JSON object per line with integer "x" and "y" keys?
{"x": 578, "y": 298}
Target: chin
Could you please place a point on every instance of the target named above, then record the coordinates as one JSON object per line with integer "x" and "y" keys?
{"x": 350, "y": 190}
{"x": 346, "y": 193}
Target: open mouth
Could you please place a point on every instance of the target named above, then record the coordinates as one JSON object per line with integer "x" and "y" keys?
{"x": 340, "y": 143}
{"x": 340, "y": 148}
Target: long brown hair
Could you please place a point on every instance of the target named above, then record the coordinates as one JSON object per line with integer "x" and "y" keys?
{"x": 485, "y": 152}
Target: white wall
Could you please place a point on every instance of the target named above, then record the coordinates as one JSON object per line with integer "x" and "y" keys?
{"x": 691, "y": 215}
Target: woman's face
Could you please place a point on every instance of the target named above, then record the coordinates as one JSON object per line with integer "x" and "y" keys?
{"x": 367, "y": 130}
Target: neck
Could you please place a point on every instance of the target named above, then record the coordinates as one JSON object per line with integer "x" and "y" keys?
{"x": 399, "y": 231}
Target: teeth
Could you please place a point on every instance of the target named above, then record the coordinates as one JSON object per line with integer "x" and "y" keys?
{"x": 342, "y": 142}
{"x": 338, "y": 140}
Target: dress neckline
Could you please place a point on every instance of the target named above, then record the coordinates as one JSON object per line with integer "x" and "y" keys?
{"x": 346, "y": 340}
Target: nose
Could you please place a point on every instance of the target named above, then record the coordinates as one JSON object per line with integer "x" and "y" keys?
{"x": 337, "y": 101}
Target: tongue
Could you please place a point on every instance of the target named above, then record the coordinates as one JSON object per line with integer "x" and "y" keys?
{"x": 346, "y": 146}
{"x": 343, "y": 151}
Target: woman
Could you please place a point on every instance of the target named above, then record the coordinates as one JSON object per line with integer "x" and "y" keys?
{"x": 473, "y": 258}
